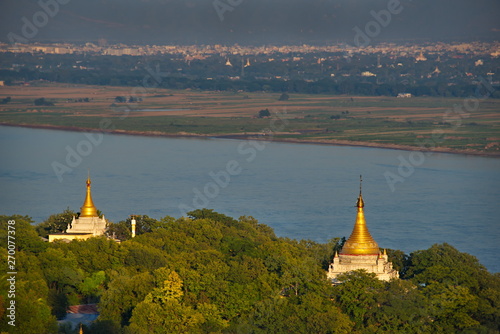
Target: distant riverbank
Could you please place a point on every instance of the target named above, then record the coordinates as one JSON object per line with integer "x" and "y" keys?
{"x": 257, "y": 136}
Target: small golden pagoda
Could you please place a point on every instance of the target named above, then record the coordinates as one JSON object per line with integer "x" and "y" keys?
{"x": 88, "y": 208}
{"x": 88, "y": 224}
{"x": 361, "y": 251}
{"x": 360, "y": 242}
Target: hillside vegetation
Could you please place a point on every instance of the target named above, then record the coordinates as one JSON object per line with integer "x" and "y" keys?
{"x": 209, "y": 273}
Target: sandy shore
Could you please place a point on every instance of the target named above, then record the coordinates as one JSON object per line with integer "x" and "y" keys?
{"x": 248, "y": 136}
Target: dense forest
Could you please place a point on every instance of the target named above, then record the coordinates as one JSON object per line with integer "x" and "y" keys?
{"x": 210, "y": 273}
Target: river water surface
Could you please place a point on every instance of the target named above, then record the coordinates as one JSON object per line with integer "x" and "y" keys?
{"x": 302, "y": 191}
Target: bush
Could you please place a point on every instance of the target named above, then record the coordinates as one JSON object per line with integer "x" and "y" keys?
{"x": 264, "y": 113}
{"x": 284, "y": 97}
{"x": 42, "y": 102}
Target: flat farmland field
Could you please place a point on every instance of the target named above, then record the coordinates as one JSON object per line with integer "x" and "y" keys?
{"x": 424, "y": 123}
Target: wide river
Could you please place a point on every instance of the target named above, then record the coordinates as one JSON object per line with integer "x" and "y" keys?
{"x": 302, "y": 191}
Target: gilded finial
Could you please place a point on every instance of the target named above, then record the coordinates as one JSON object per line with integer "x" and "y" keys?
{"x": 88, "y": 178}
{"x": 88, "y": 209}
{"x": 360, "y": 203}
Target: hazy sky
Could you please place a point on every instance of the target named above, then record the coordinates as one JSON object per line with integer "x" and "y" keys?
{"x": 249, "y": 21}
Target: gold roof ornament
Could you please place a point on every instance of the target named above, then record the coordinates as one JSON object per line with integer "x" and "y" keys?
{"x": 360, "y": 242}
{"x": 88, "y": 209}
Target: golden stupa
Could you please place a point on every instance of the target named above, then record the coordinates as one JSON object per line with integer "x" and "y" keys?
{"x": 360, "y": 242}
{"x": 88, "y": 209}
{"x": 87, "y": 225}
{"x": 360, "y": 251}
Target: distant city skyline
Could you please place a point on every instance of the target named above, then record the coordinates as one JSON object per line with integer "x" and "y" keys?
{"x": 356, "y": 22}
{"x": 102, "y": 47}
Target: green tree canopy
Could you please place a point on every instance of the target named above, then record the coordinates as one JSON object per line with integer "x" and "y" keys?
{"x": 210, "y": 273}
{"x": 56, "y": 223}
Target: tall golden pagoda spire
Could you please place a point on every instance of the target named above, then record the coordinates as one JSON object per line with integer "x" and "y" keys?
{"x": 360, "y": 242}
{"x": 88, "y": 209}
